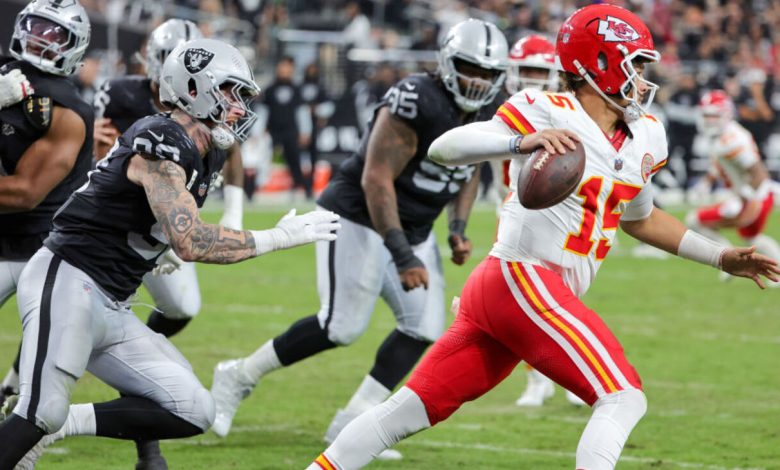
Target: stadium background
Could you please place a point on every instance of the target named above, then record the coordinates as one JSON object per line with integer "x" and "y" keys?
{"x": 707, "y": 351}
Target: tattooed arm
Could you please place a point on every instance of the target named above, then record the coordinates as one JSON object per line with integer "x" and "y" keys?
{"x": 391, "y": 146}
{"x": 176, "y": 210}
{"x": 194, "y": 240}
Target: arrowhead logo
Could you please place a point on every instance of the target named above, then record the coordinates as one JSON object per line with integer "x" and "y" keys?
{"x": 196, "y": 60}
{"x": 616, "y": 30}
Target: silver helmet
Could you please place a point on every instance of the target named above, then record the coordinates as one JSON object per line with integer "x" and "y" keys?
{"x": 163, "y": 39}
{"x": 198, "y": 74}
{"x": 52, "y": 35}
{"x": 480, "y": 44}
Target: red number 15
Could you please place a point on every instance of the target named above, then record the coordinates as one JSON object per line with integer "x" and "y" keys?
{"x": 581, "y": 243}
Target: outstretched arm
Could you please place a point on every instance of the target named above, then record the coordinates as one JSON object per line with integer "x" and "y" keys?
{"x": 194, "y": 240}
{"x": 664, "y": 231}
{"x": 493, "y": 140}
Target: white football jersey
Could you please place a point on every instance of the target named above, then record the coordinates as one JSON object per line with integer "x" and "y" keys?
{"x": 573, "y": 237}
{"x": 733, "y": 153}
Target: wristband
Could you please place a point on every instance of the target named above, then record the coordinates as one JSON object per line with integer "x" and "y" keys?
{"x": 458, "y": 227}
{"x": 401, "y": 251}
{"x": 514, "y": 144}
{"x": 701, "y": 249}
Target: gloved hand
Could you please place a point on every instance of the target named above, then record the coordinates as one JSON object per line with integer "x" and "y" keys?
{"x": 14, "y": 87}
{"x": 167, "y": 263}
{"x": 294, "y": 230}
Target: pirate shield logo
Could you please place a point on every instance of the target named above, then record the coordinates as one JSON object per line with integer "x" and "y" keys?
{"x": 196, "y": 60}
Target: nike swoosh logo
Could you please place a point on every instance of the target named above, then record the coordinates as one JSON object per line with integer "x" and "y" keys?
{"x": 530, "y": 100}
{"x": 409, "y": 86}
{"x": 158, "y": 137}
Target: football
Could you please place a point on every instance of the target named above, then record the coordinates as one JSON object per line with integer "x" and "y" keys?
{"x": 546, "y": 179}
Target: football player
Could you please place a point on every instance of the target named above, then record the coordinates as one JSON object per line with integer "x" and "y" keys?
{"x": 141, "y": 199}
{"x": 118, "y": 104}
{"x": 522, "y": 302}
{"x": 737, "y": 164}
{"x": 389, "y": 195}
{"x": 45, "y": 135}
{"x": 531, "y": 65}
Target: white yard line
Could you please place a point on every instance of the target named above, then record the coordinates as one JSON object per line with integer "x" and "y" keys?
{"x": 559, "y": 454}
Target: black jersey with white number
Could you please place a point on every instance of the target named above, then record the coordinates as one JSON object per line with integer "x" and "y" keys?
{"x": 107, "y": 229}
{"x": 21, "y": 124}
{"x": 423, "y": 188}
{"x": 125, "y": 100}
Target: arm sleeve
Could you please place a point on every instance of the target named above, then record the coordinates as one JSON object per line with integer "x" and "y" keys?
{"x": 641, "y": 206}
{"x": 472, "y": 143}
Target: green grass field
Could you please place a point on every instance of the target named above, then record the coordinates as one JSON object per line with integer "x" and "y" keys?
{"x": 707, "y": 352}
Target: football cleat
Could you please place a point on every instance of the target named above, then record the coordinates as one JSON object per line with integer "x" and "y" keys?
{"x": 342, "y": 418}
{"x": 536, "y": 392}
{"x": 149, "y": 456}
{"x": 230, "y": 386}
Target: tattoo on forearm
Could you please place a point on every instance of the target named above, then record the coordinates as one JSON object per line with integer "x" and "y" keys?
{"x": 180, "y": 219}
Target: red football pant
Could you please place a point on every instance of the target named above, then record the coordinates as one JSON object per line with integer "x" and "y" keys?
{"x": 517, "y": 311}
{"x": 712, "y": 215}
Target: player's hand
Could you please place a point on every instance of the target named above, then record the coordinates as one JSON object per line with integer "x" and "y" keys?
{"x": 745, "y": 262}
{"x": 14, "y": 87}
{"x": 414, "y": 277}
{"x": 167, "y": 263}
{"x": 461, "y": 249}
{"x": 310, "y": 227}
{"x": 104, "y": 132}
{"x": 555, "y": 141}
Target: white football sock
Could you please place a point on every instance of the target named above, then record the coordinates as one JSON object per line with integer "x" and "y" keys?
{"x": 379, "y": 428}
{"x": 369, "y": 394}
{"x": 11, "y": 380}
{"x": 262, "y": 361}
{"x": 81, "y": 421}
{"x": 766, "y": 245}
{"x": 613, "y": 418}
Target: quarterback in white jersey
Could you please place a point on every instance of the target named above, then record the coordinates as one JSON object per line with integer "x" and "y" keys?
{"x": 736, "y": 163}
{"x": 573, "y": 238}
{"x": 522, "y": 302}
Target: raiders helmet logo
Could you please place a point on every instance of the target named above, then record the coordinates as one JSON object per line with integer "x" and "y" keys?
{"x": 196, "y": 60}
{"x": 616, "y": 30}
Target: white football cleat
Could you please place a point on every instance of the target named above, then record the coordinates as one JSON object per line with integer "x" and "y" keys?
{"x": 31, "y": 457}
{"x": 574, "y": 399}
{"x": 536, "y": 392}
{"x": 229, "y": 387}
{"x": 342, "y": 418}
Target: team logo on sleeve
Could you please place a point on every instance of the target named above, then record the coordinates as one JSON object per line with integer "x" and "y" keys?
{"x": 647, "y": 166}
{"x": 196, "y": 60}
{"x": 616, "y": 30}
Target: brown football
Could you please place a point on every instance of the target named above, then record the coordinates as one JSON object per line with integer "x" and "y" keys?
{"x": 545, "y": 179}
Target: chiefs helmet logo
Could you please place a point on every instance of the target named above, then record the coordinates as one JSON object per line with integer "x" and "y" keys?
{"x": 616, "y": 30}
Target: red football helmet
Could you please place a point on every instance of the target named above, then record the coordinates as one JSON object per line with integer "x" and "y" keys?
{"x": 536, "y": 53}
{"x": 599, "y": 43}
{"x": 716, "y": 110}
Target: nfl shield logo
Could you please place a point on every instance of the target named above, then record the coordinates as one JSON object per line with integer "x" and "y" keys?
{"x": 197, "y": 59}
{"x": 202, "y": 189}
{"x": 618, "y": 164}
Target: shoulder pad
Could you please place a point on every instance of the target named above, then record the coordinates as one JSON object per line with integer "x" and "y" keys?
{"x": 37, "y": 110}
{"x": 158, "y": 137}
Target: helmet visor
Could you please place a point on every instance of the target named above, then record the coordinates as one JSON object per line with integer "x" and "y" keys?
{"x": 44, "y": 38}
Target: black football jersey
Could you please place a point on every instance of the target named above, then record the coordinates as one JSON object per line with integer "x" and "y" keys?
{"x": 423, "y": 188}
{"x": 22, "y": 233}
{"x": 107, "y": 228}
{"x": 125, "y": 100}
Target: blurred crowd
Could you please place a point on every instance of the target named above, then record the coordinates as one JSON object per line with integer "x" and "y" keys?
{"x": 350, "y": 49}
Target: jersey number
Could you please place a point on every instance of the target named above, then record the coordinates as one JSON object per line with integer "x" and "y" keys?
{"x": 402, "y": 102}
{"x": 581, "y": 243}
{"x": 560, "y": 101}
